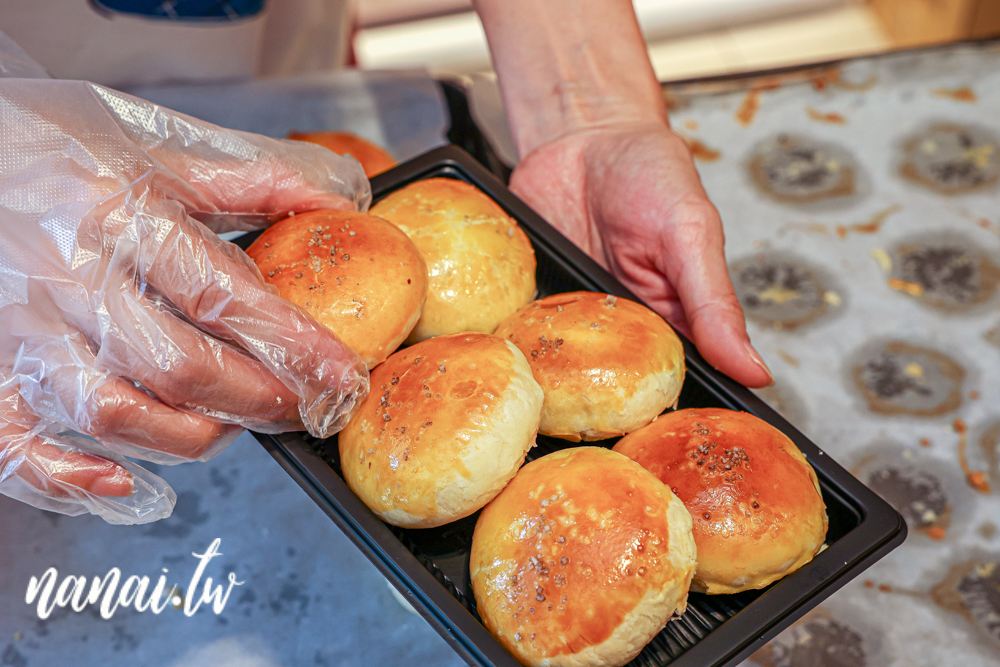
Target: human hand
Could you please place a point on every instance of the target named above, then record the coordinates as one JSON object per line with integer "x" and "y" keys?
{"x": 629, "y": 195}
{"x": 124, "y": 319}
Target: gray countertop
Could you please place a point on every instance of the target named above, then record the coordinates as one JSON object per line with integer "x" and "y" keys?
{"x": 309, "y": 597}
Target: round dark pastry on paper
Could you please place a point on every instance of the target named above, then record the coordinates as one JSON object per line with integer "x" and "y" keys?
{"x": 374, "y": 159}
{"x": 607, "y": 365}
{"x": 945, "y": 271}
{"x": 972, "y": 589}
{"x": 581, "y": 559}
{"x": 800, "y": 170}
{"x": 447, "y": 424}
{"x": 781, "y": 291}
{"x": 926, "y": 491}
{"x": 755, "y": 501}
{"x": 916, "y": 494}
{"x": 357, "y": 274}
{"x": 897, "y": 377}
{"x": 952, "y": 159}
{"x": 990, "y": 443}
{"x": 480, "y": 263}
{"x": 822, "y": 642}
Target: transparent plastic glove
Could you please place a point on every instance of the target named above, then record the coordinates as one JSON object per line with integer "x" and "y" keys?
{"x": 124, "y": 319}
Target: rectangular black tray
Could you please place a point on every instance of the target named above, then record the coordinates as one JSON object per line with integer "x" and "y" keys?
{"x": 430, "y": 567}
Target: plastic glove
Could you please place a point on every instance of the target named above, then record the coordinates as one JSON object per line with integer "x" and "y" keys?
{"x": 124, "y": 319}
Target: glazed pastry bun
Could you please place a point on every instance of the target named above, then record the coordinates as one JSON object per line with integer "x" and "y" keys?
{"x": 755, "y": 500}
{"x": 355, "y": 273}
{"x": 607, "y": 365}
{"x": 481, "y": 265}
{"x": 374, "y": 159}
{"x": 445, "y": 427}
{"x": 581, "y": 560}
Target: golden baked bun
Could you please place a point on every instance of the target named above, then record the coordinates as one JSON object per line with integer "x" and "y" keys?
{"x": 755, "y": 500}
{"x": 481, "y": 265}
{"x": 355, "y": 273}
{"x": 607, "y": 365}
{"x": 581, "y": 560}
{"x": 446, "y": 425}
{"x": 374, "y": 159}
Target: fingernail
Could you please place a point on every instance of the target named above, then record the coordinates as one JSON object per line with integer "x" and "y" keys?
{"x": 757, "y": 359}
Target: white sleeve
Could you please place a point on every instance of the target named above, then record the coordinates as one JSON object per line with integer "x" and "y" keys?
{"x": 73, "y": 40}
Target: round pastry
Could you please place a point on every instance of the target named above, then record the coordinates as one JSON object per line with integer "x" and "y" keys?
{"x": 355, "y": 273}
{"x": 447, "y": 424}
{"x": 481, "y": 265}
{"x": 952, "y": 159}
{"x": 755, "y": 500}
{"x": 373, "y": 159}
{"x": 802, "y": 170}
{"x": 607, "y": 365}
{"x": 581, "y": 559}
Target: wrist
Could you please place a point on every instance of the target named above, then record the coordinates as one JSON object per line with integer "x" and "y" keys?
{"x": 567, "y": 66}
{"x": 570, "y": 109}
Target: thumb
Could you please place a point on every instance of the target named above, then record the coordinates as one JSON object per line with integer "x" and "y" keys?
{"x": 72, "y": 475}
{"x": 693, "y": 259}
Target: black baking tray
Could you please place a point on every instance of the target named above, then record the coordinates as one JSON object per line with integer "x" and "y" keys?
{"x": 430, "y": 567}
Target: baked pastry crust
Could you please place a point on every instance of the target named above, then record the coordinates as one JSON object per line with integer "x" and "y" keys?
{"x": 755, "y": 501}
{"x": 581, "y": 560}
{"x": 374, "y": 159}
{"x": 607, "y": 365}
{"x": 480, "y": 263}
{"x": 357, "y": 274}
{"x": 447, "y": 424}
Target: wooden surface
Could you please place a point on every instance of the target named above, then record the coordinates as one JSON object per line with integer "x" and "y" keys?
{"x": 918, "y": 22}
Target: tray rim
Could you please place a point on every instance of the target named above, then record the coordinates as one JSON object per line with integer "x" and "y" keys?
{"x": 880, "y": 528}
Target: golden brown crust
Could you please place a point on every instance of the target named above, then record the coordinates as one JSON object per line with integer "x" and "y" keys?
{"x": 447, "y": 424}
{"x": 374, "y": 159}
{"x": 581, "y": 559}
{"x": 607, "y": 365}
{"x": 755, "y": 500}
{"x": 481, "y": 264}
{"x": 355, "y": 273}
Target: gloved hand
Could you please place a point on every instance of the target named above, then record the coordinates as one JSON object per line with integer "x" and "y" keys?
{"x": 124, "y": 319}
